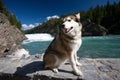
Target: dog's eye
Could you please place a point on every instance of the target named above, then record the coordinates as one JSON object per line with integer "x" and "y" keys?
{"x": 69, "y": 20}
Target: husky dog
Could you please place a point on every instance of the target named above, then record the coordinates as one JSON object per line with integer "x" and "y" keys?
{"x": 65, "y": 45}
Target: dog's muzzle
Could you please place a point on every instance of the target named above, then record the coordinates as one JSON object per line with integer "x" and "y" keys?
{"x": 68, "y": 29}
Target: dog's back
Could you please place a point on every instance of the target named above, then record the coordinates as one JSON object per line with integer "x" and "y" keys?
{"x": 55, "y": 54}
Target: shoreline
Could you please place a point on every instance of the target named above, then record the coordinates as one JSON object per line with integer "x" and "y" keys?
{"x": 32, "y": 67}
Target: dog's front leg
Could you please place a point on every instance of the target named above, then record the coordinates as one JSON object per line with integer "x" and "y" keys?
{"x": 73, "y": 64}
{"x": 76, "y": 59}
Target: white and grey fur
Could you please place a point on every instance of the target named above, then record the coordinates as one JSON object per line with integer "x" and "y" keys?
{"x": 65, "y": 45}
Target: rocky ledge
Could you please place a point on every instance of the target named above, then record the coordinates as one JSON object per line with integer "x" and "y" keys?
{"x": 10, "y": 36}
{"x": 31, "y": 68}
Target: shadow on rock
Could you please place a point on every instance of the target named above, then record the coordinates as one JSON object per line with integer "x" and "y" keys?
{"x": 30, "y": 68}
{"x": 65, "y": 71}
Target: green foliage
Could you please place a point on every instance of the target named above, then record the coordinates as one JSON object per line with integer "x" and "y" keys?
{"x": 12, "y": 18}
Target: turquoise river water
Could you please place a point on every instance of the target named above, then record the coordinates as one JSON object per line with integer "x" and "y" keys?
{"x": 92, "y": 47}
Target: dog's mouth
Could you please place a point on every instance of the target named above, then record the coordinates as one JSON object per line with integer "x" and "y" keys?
{"x": 68, "y": 29}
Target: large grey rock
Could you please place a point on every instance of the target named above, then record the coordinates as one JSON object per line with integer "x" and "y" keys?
{"x": 10, "y": 36}
{"x": 93, "y": 29}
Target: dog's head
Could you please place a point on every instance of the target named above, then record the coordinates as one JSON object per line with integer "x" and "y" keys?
{"x": 71, "y": 24}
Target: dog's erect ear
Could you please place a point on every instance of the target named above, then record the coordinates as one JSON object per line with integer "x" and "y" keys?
{"x": 77, "y": 15}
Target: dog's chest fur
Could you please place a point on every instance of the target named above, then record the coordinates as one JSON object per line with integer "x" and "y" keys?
{"x": 74, "y": 45}
{"x": 65, "y": 45}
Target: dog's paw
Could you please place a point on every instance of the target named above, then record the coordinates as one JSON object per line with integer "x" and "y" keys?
{"x": 55, "y": 70}
{"x": 78, "y": 64}
{"x": 78, "y": 73}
